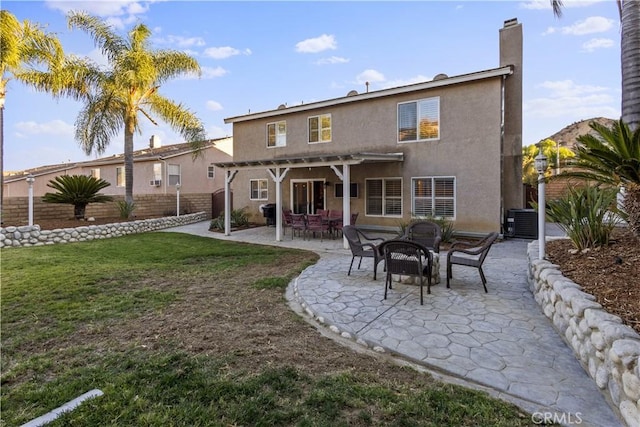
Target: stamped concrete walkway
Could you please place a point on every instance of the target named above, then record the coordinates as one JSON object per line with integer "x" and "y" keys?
{"x": 499, "y": 342}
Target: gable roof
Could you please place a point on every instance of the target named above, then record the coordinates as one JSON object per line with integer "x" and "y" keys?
{"x": 142, "y": 155}
{"x": 442, "y": 80}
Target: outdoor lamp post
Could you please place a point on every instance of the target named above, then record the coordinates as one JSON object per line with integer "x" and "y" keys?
{"x": 30, "y": 180}
{"x": 541, "y": 167}
{"x": 178, "y": 199}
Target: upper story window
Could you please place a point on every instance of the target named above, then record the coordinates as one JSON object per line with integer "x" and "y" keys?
{"x": 174, "y": 174}
{"x": 419, "y": 120}
{"x": 157, "y": 171}
{"x": 211, "y": 171}
{"x": 277, "y": 134}
{"x": 320, "y": 128}
{"x": 259, "y": 189}
{"x": 120, "y": 176}
{"x": 94, "y": 173}
{"x": 434, "y": 196}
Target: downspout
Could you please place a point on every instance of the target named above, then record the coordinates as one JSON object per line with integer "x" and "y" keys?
{"x": 502, "y": 175}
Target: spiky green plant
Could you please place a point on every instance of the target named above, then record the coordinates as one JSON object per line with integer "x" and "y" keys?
{"x": 77, "y": 190}
{"x": 612, "y": 157}
{"x": 587, "y": 215}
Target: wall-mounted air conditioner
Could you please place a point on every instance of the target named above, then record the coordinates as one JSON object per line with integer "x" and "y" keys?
{"x": 155, "y": 182}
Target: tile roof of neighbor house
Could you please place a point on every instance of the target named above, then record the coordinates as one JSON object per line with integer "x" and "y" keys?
{"x": 353, "y": 96}
{"x": 144, "y": 154}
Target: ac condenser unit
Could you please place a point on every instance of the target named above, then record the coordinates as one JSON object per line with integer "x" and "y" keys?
{"x": 521, "y": 223}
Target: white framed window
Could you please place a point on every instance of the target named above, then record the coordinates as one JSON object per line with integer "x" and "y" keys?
{"x": 259, "y": 189}
{"x": 94, "y": 173}
{"x": 211, "y": 171}
{"x": 173, "y": 172}
{"x": 320, "y": 128}
{"x": 383, "y": 197}
{"x": 434, "y": 196}
{"x": 157, "y": 171}
{"x": 120, "y": 179}
{"x": 419, "y": 120}
{"x": 277, "y": 134}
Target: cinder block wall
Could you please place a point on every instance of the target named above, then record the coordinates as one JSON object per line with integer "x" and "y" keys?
{"x": 15, "y": 210}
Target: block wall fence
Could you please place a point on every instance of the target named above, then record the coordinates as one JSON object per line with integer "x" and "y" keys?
{"x": 15, "y": 210}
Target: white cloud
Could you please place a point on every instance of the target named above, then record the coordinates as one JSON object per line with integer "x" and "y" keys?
{"x": 207, "y": 73}
{"x": 571, "y": 100}
{"x": 594, "y": 44}
{"x": 214, "y": 106}
{"x": 118, "y": 14}
{"x": 318, "y": 44}
{"x": 332, "y": 60}
{"x": 224, "y": 52}
{"x": 371, "y": 76}
{"x": 546, "y": 4}
{"x": 180, "y": 41}
{"x": 591, "y": 25}
{"x": 403, "y": 82}
{"x": 53, "y": 127}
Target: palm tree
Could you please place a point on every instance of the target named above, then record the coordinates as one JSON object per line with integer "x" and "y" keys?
{"x": 629, "y": 55}
{"x": 128, "y": 88}
{"x": 24, "y": 46}
{"x": 77, "y": 190}
{"x": 612, "y": 157}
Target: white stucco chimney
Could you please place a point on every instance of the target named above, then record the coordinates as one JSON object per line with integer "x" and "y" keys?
{"x": 154, "y": 142}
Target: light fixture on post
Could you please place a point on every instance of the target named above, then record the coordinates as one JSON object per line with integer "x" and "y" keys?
{"x": 541, "y": 166}
{"x": 178, "y": 199}
{"x": 30, "y": 180}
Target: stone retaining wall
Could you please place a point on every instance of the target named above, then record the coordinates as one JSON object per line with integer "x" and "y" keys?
{"x": 608, "y": 350}
{"x": 13, "y": 237}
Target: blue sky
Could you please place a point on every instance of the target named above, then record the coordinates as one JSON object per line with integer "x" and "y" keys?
{"x": 258, "y": 55}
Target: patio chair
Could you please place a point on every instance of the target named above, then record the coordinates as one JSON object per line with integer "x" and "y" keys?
{"x": 470, "y": 255}
{"x": 286, "y": 217}
{"x": 315, "y": 223}
{"x": 406, "y": 258}
{"x": 298, "y": 223}
{"x": 337, "y": 224}
{"x": 427, "y": 233}
{"x": 361, "y": 246}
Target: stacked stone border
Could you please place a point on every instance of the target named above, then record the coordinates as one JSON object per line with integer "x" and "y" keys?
{"x": 14, "y": 237}
{"x": 608, "y": 350}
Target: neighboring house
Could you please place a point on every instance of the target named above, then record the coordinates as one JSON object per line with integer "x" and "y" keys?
{"x": 156, "y": 170}
{"x": 450, "y": 147}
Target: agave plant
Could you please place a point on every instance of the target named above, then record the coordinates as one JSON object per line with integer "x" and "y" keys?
{"x": 77, "y": 190}
{"x": 612, "y": 157}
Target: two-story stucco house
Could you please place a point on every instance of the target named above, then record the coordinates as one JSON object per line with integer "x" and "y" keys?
{"x": 450, "y": 147}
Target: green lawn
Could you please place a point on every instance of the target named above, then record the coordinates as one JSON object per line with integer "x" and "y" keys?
{"x": 156, "y": 322}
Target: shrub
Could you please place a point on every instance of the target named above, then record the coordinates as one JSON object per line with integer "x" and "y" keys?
{"x": 239, "y": 218}
{"x": 586, "y": 214}
{"x": 125, "y": 208}
{"x": 446, "y": 226}
{"x": 77, "y": 190}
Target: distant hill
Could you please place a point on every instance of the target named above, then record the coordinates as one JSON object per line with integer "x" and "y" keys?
{"x": 567, "y": 136}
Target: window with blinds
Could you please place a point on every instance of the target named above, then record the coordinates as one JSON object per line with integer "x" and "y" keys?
{"x": 383, "y": 197}
{"x": 320, "y": 128}
{"x": 419, "y": 120}
{"x": 174, "y": 174}
{"x": 277, "y": 134}
{"x": 433, "y": 197}
{"x": 259, "y": 189}
{"x": 120, "y": 179}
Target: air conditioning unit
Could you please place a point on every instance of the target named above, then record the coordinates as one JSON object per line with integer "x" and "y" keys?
{"x": 155, "y": 182}
{"x": 521, "y": 223}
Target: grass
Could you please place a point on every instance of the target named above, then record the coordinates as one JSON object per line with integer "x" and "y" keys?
{"x": 62, "y": 305}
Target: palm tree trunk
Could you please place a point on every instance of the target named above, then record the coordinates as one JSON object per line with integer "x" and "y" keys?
{"x": 128, "y": 165}
{"x": 630, "y": 61}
